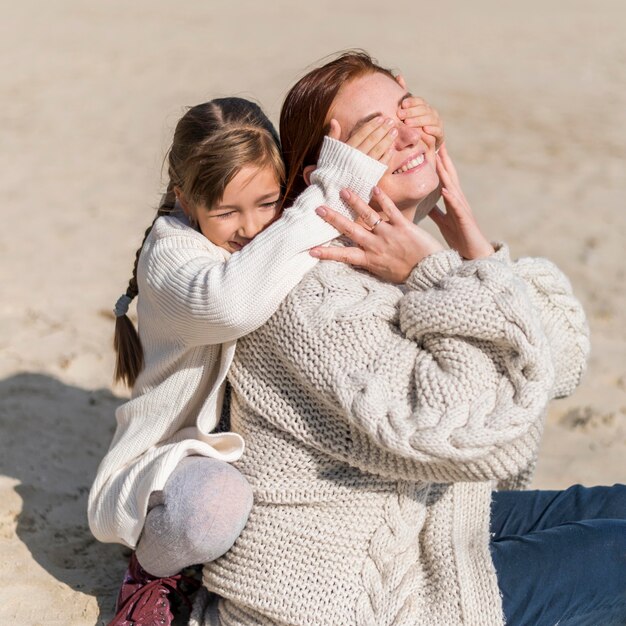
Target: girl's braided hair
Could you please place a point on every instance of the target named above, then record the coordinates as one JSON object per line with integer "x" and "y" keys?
{"x": 212, "y": 142}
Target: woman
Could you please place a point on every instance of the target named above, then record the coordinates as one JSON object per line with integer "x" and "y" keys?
{"x": 380, "y": 419}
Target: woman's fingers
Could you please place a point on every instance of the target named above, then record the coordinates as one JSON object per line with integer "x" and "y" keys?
{"x": 344, "y": 254}
{"x": 448, "y": 164}
{"x": 453, "y": 185}
{"x": 390, "y": 252}
{"x": 394, "y": 215}
{"x": 450, "y": 183}
{"x": 457, "y": 224}
{"x": 367, "y": 214}
{"x": 453, "y": 200}
{"x": 345, "y": 226}
{"x": 443, "y": 174}
{"x": 456, "y": 203}
{"x": 364, "y": 211}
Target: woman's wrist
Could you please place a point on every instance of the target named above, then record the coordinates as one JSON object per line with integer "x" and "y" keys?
{"x": 501, "y": 252}
{"x": 432, "y": 269}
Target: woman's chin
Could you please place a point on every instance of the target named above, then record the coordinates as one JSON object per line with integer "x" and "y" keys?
{"x": 415, "y": 204}
{"x": 411, "y": 190}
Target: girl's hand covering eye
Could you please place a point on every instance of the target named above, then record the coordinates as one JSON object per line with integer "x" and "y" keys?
{"x": 374, "y": 138}
{"x": 416, "y": 112}
{"x": 458, "y": 224}
{"x": 389, "y": 247}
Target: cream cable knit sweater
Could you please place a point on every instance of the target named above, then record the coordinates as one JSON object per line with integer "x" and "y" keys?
{"x": 377, "y": 424}
{"x": 194, "y": 303}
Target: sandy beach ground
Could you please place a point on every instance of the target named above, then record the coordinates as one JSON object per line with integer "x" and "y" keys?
{"x": 534, "y": 99}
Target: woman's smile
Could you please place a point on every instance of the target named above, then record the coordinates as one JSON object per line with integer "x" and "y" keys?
{"x": 412, "y": 164}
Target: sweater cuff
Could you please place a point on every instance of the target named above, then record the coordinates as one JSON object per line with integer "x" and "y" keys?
{"x": 432, "y": 269}
{"x": 501, "y": 253}
{"x": 352, "y": 162}
{"x": 342, "y": 167}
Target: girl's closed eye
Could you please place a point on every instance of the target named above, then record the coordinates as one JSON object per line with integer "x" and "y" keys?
{"x": 266, "y": 205}
{"x": 224, "y": 215}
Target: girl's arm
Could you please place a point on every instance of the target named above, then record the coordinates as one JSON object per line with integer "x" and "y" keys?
{"x": 449, "y": 385}
{"x": 209, "y": 301}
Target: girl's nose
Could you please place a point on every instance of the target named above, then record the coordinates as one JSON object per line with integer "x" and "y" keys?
{"x": 251, "y": 226}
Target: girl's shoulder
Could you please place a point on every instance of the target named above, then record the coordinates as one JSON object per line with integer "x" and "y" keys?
{"x": 175, "y": 225}
{"x": 171, "y": 232}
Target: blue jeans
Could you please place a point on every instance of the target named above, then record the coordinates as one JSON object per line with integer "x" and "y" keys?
{"x": 560, "y": 556}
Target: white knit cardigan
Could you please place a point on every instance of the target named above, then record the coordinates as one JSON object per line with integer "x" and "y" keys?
{"x": 377, "y": 423}
{"x": 195, "y": 300}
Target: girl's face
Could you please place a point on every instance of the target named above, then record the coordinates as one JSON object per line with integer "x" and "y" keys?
{"x": 249, "y": 205}
{"x": 411, "y": 174}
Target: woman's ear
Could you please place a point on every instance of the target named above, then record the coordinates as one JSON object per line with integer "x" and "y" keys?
{"x": 335, "y": 129}
{"x": 306, "y": 173}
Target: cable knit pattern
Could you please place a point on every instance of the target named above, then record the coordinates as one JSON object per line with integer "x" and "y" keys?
{"x": 391, "y": 574}
{"x": 377, "y": 423}
{"x": 195, "y": 301}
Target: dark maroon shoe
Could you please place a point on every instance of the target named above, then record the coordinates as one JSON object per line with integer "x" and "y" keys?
{"x": 145, "y": 600}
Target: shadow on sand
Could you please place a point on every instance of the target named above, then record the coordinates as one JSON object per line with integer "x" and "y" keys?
{"x": 53, "y": 438}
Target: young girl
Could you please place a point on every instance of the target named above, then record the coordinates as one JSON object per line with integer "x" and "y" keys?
{"x": 166, "y": 487}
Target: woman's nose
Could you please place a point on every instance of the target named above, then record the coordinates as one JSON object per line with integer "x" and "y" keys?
{"x": 407, "y": 136}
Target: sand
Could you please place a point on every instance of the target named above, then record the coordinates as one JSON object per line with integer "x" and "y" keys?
{"x": 534, "y": 99}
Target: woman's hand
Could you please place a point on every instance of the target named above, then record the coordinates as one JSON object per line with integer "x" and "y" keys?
{"x": 389, "y": 248}
{"x": 417, "y": 113}
{"x": 458, "y": 224}
{"x": 375, "y": 138}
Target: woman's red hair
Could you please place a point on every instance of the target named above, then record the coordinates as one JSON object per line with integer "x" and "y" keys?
{"x": 303, "y": 118}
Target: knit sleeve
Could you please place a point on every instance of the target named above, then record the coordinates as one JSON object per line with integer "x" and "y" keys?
{"x": 447, "y": 383}
{"x": 561, "y": 314}
{"x": 210, "y": 301}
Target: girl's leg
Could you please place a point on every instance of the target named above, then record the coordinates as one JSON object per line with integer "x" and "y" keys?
{"x": 560, "y": 557}
{"x": 197, "y": 517}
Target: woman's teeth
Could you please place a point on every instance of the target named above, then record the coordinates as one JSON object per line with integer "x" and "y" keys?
{"x": 410, "y": 165}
